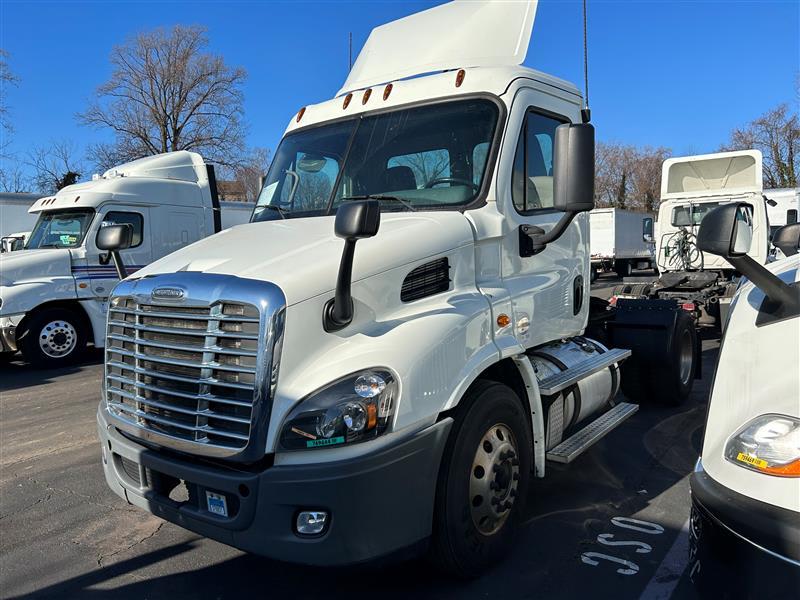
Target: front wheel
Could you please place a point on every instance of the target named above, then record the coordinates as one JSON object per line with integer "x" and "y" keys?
{"x": 483, "y": 481}
{"x": 53, "y": 337}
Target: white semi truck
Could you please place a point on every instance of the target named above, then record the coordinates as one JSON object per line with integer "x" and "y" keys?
{"x": 54, "y": 292}
{"x": 745, "y": 524}
{"x": 782, "y": 207}
{"x": 691, "y": 187}
{"x": 621, "y": 240}
{"x": 389, "y": 352}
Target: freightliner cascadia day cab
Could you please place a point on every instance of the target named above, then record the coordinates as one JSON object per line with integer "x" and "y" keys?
{"x": 54, "y": 292}
{"x": 745, "y": 524}
{"x": 395, "y": 345}
{"x": 621, "y": 240}
{"x": 691, "y": 187}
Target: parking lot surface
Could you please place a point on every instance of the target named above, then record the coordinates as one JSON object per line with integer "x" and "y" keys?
{"x": 611, "y": 524}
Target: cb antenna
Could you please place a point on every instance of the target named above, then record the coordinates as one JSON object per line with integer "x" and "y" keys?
{"x": 349, "y": 51}
{"x": 586, "y": 112}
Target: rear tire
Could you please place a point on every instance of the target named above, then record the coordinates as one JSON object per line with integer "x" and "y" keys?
{"x": 623, "y": 268}
{"x": 592, "y": 274}
{"x": 668, "y": 375}
{"x": 483, "y": 481}
{"x": 53, "y": 337}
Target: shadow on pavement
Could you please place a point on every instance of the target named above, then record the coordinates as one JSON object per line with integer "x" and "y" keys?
{"x": 18, "y": 374}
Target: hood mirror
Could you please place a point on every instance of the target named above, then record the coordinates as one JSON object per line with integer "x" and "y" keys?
{"x": 311, "y": 163}
{"x": 727, "y": 231}
{"x": 787, "y": 239}
{"x": 355, "y": 220}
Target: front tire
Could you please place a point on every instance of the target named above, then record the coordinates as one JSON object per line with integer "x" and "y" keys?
{"x": 483, "y": 481}
{"x": 53, "y": 337}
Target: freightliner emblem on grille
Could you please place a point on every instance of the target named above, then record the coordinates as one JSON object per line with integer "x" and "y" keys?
{"x": 168, "y": 293}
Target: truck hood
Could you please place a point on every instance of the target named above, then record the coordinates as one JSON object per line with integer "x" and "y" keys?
{"x": 24, "y": 266}
{"x": 302, "y": 255}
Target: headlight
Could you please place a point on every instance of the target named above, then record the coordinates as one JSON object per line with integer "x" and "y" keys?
{"x": 356, "y": 408}
{"x": 767, "y": 444}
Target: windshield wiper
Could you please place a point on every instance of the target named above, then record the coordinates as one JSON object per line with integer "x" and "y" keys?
{"x": 281, "y": 211}
{"x": 405, "y": 203}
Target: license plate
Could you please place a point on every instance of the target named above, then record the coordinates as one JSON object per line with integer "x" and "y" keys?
{"x": 216, "y": 504}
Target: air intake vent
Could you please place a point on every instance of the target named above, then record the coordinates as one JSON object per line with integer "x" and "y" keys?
{"x": 426, "y": 280}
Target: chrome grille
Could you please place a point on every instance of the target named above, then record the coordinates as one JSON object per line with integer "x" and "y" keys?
{"x": 186, "y": 372}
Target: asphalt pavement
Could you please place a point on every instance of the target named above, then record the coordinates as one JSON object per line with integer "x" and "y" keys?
{"x": 611, "y": 524}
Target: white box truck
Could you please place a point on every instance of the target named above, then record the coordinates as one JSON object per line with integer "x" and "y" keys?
{"x": 745, "y": 520}
{"x": 15, "y": 220}
{"x": 782, "y": 207}
{"x": 387, "y": 354}
{"x": 54, "y": 292}
{"x": 621, "y": 240}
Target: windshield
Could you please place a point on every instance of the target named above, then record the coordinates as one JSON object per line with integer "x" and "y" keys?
{"x": 432, "y": 156}
{"x": 692, "y": 214}
{"x": 60, "y": 229}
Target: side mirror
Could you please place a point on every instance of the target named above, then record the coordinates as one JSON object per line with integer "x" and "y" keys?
{"x": 647, "y": 230}
{"x": 355, "y": 220}
{"x": 726, "y": 231}
{"x": 113, "y": 238}
{"x": 573, "y": 184}
{"x": 573, "y": 168}
{"x": 787, "y": 239}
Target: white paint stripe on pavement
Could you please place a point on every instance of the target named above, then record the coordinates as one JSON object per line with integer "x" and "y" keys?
{"x": 669, "y": 572}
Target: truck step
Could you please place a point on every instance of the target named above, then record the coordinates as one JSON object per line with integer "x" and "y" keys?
{"x": 559, "y": 381}
{"x": 574, "y": 446}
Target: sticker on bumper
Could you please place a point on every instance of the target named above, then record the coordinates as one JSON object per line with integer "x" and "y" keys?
{"x": 216, "y": 504}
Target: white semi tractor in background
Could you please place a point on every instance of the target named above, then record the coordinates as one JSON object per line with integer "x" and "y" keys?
{"x": 621, "y": 241}
{"x": 745, "y": 523}
{"x": 782, "y": 207}
{"x": 382, "y": 359}
{"x": 691, "y": 187}
{"x": 15, "y": 219}
{"x": 53, "y": 293}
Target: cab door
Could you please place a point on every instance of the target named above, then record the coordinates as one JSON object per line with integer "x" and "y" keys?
{"x": 101, "y": 272}
{"x": 549, "y": 290}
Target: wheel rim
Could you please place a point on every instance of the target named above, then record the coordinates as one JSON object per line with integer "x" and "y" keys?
{"x": 494, "y": 479}
{"x": 57, "y": 339}
{"x": 685, "y": 356}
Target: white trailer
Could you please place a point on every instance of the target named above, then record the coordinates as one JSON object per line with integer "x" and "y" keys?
{"x": 621, "y": 240}
{"x": 54, "y": 292}
{"x": 15, "y": 220}
{"x": 384, "y": 358}
{"x": 746, "y": 485}
{"x": 782, "y": 207}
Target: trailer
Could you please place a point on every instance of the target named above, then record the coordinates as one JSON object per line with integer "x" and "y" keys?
{"x": 620, "y": 240}
{"x": 15, "y": 220}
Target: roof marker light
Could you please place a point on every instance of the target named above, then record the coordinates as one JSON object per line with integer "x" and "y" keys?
{"x": 387, "y": 90}
{"x": 347, "y": 101}
{"x": 367, "y": 94}
{"x": 300, "y": 113}
{"x": 460, "y": 77}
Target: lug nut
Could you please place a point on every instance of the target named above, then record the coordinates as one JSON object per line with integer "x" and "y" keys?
{"x": 495, "y": 500}
{"x": 493, "y": 485}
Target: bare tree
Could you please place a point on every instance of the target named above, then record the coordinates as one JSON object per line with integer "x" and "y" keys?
{"x": 167, "y": 93}
{"x": 628, "y": 177}
{"x": 776, "y": 134}
{"x": 12, "y": 177}
{"x": 250, "y": 172}
{"x": 427, "y": 166}
{"x": 56, "y": 166}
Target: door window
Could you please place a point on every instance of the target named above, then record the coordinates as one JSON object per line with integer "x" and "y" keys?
{"x": 134, "y": 219}
{"x": 532, "y": 184}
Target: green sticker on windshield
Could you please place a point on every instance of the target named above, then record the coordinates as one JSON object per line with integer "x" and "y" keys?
{"x": 68, "y": 239}
{"x": 325, "y": 442}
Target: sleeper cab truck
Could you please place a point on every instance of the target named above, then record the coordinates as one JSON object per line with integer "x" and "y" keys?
{"x": 745, "y": 522}
{"x": 54, "y": 291}
{"x": 394, "y": 346}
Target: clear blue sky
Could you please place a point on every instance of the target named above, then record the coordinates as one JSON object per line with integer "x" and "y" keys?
{"x": 680, "y": 74}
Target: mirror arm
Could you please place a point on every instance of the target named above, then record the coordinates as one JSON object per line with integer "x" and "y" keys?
{"x": 338, "y": 311}
{"x": 534, "y": 239}
{"x": 773, "y": 287}
{"x": 122, "y": 272}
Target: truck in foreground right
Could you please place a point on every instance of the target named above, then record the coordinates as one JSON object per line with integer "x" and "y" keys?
{"x": 745, "y": 522}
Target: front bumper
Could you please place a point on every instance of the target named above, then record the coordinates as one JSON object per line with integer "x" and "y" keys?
{"x": 8, "y": 332}
{"x": 379, "y": 503}
{"x": 741, "y": 547}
